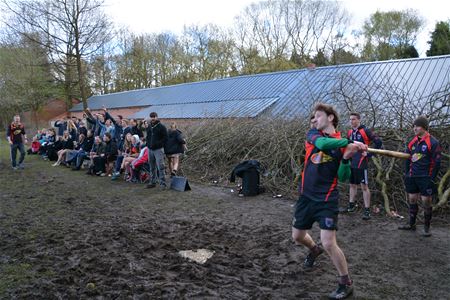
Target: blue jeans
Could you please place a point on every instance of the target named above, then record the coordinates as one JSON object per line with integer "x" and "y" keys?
{"x": 14, "y": 148}
{"x": 81, "y": 155}
{"x": 118, "y": 163}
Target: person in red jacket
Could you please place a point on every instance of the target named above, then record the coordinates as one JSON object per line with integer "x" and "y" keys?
{"x": 137, "y": 164}
{"x": 326, "y": 160}
{"x": 360, "y": 163}
{"x": 421, "y": 170}
{"x": 17, "y": 139}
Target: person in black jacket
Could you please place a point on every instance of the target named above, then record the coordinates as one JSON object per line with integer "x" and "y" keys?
{"x": 134, "y": 129}
{"x": 111, "y": 152}
{"x": 83, "y": 151}
{"x": 66, "y": 144}
{"x": 174, "y": 147}
{"x": 156, "y": 139}
{"x": 98, "y": 157}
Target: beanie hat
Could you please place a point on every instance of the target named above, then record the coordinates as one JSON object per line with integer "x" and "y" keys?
{"x": 421, "y": 121}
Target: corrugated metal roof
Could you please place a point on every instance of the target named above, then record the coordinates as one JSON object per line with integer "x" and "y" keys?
{"x": 295, "y": 90}
{"x": 223, "y": 109}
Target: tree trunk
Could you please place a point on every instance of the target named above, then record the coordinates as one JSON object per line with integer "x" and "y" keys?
{"x": 80, "y": 75}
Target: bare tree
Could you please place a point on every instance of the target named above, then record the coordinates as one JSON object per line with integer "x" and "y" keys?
{"x": 71, "y": 30}
{"x": 283, "y": 34}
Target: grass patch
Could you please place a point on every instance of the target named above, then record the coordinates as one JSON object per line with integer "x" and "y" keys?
{"x": 14, "y": 275}
{"x": 4, "y": 149}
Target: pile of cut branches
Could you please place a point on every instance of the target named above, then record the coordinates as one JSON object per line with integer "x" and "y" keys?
{"x": 216, "y": 146}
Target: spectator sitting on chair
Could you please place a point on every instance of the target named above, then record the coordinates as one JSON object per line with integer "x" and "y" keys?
{"x": 110, "y": 151}
{"x": 174, "y": 148}
{"x": 66, "y": 144}
{"x": 98, "y": 157}
{"x": 131, "y": 149}
{"x": 41, "y": 135}
{"x": 136, "y": 165}
{"x": 71, "y": 154}
{"x": 35, "y": 145}
{"x": 83, "y": 151}
{"x": 48, "y": 142}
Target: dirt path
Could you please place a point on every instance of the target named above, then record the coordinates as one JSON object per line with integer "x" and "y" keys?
{"x": 66, "y": 235}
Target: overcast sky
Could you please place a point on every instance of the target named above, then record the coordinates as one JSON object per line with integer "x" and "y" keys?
{"x": 142, "y": 16}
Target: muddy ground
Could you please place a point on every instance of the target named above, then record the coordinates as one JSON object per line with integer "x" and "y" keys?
{"x": 67, "y": 235}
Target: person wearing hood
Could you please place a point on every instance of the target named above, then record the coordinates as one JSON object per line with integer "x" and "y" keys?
{"x": 174, "y": 148}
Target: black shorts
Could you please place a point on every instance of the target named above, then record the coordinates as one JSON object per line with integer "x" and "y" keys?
{"x": 359, "y": 176}
{"x": 422, "y": 185}
{"x": 308, "y": 211}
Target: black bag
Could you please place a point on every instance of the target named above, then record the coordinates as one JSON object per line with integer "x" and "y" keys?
{"x": 250, "y": 182}
{"x": 249, "y": 172}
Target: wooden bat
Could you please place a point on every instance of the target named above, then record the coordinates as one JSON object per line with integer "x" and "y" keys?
{"x": 390, "y": 153}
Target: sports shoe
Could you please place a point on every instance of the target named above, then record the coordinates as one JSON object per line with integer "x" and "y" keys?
{"x": 115, "y": 176}
{"x": 366, "y": 214}
{"x": 426, "y": 231}
{"x": 351, "y": 207}
{"x": 342, "y": 292}
{"x": 407, "y": 227}
{"x": 15, "y": 168}
{"x": 310, "y": 260}
{"x": 21, "y": 166}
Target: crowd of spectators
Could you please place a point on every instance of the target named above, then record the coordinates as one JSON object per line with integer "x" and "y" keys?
{"x": 113, "y": 147}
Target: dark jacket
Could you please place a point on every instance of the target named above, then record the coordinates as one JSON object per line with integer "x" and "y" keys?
{"x": 67, "y": 144}
{"x": 245, "y": 166}
{"x": 92, "y": 125}
{"x": 86, "y": 145}
{"x": 111, "y": 150}
{"x": 82, "y": 130}
{"x": 175, "y": 142}
{"x": 156, "y": 135}
{"x": 99, "y": 148}
{"x": 135, "y": 130}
